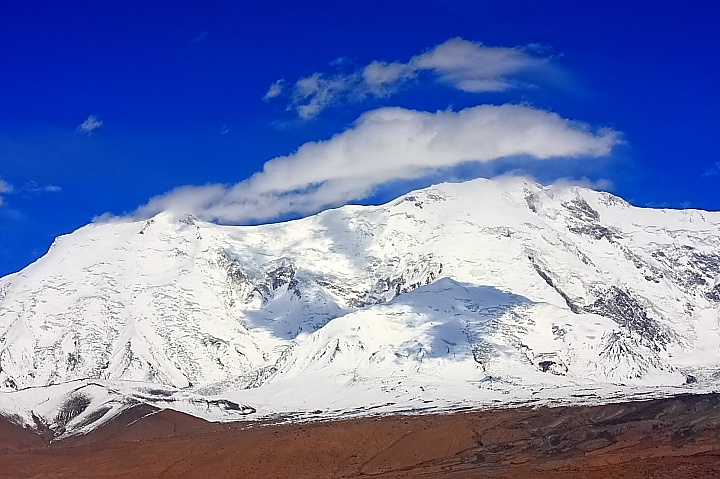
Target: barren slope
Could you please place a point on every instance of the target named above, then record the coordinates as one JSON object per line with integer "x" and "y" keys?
{"x": 665, "y": 438}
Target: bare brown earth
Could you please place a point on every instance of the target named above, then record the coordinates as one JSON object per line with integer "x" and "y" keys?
{"x": 668, "y": 438}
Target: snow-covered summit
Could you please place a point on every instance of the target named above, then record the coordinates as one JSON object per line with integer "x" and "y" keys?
{"x": 454, "y": 289}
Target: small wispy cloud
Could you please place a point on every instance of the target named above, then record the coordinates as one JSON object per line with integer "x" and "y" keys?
{"x": 462, "y": 64}
{"x": 601, "y": 184}
{"x": 5, "y": 187}
{"x": 92, "y": 123}
{"x": 29, "y": 188}
{"x": 33, "y": 188}
{"x": 199, "y": 38}
{"x": 715, "y": 170}
{"x": 275, "y": 90}
{"x": 386, "y": 145}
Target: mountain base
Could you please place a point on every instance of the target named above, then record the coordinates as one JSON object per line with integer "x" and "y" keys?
{"x": 663, "y": 438}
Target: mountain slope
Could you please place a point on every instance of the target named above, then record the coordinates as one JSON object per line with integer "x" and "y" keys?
{"x": 488, "y": 286}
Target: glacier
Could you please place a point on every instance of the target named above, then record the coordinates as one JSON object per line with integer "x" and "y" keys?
{"x": 483, "y": 293}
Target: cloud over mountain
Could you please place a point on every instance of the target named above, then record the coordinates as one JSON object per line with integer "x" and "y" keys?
{"x": 384, "y": 145}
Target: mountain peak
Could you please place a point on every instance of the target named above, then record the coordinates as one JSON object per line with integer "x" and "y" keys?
{"x": 480, "y": 291}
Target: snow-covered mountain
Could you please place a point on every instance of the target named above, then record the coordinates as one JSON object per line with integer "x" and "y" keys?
{"x": 475, "y": 293}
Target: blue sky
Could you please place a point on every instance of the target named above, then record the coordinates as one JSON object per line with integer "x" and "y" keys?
{"x": 109, "y": 107}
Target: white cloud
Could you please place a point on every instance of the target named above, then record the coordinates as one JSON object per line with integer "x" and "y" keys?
{"x": 715, "y": 170}
{"x": 200, "y": 37}
{"x": 473, "y": 67}
{"x": 311, "y": 95}
{"x": 275, "y": 90}
{"x": 380, "y": 78}
{"x": 92, "y": 123}
{"x": 601, "y": 184}
{"x": 465, "y": 65}
{"x": 34, "y": 188}
{"x": 385, "y": 145}
{"x": 5, "y": 187}
{"x": 29, "y": 188}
